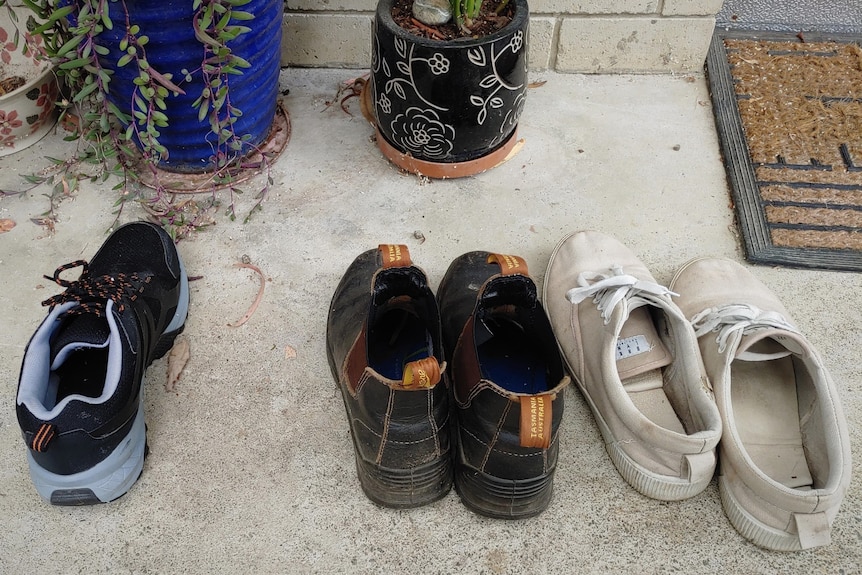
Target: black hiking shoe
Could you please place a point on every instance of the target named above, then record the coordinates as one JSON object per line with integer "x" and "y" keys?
{"x": 80, "y": 398}
{"x": 385, "y": 350}
{"x": 508, "y": 381}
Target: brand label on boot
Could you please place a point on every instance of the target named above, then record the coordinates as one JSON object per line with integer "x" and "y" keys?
{"x": 394, "y": 255}
{"x": 536, "y": 421}
{"x": 509, "y": 264}
{"x": 421, "y": 374}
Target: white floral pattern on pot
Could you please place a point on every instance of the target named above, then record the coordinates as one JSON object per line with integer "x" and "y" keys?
{"x": 422, "y": 131}
{"x": 418, "y": 112}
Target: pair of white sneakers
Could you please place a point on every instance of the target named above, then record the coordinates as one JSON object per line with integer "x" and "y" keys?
{"x": 671, "y": 377}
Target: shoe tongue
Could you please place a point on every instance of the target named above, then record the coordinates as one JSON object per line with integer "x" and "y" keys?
{"x": 769, "y": 344}
{"x": 76, "y": 332}
{"x": 639, "y": 348}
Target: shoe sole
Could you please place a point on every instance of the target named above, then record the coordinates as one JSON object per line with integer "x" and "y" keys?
{"x": 502, "y": 498}
{"x": 397, "y": 488}
{"x": 112, "y": 477}
{"x": 649, "y": 483}
{"x": 109, "y": 479}
{"x": 749, "y": 527}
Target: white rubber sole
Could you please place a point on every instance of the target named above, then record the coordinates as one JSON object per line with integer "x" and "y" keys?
{"x": 649, "y": 483}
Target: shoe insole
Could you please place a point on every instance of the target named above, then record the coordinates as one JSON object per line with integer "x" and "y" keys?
{"x": 397, "y": 338}
{"x": 641, "y": 358}
{"x": 511, "y": 359}
{"x": 83, "y": 373}
{"x": 646, "y": 391}
{"x": 766, "y": 414}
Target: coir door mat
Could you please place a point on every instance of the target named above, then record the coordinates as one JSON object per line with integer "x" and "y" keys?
{"x": 788, "y": 111}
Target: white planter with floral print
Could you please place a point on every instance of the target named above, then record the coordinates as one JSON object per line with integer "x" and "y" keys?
{"x": 447, "y": 102}
{"x": 28, "y": 89}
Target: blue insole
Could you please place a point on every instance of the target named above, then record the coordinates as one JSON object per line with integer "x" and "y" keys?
{"x": 511, "y": 359}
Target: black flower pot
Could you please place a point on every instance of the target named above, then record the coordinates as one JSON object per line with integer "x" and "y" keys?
{"x": 448, "y": 108}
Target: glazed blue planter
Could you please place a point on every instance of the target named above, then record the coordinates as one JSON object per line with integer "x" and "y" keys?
{"x": 172, "y": 48}
{"x": 446, "y": 102}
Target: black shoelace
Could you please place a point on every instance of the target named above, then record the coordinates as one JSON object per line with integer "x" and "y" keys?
{"x": 93, "y": 293}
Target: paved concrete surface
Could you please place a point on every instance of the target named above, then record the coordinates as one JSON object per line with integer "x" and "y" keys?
{"x": 251, "y": 465}
{"x": 791, "y": 16}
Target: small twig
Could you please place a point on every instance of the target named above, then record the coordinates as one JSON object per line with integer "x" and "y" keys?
{"x": 257, "y": 299}
{"x": 430, "y": 31}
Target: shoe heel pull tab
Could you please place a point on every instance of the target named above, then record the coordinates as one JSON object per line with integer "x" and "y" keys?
{"x": 394, "y": 256}
{"x": 43, "y": 437}
{"x": 421, "y": 374}
{"x": 536, "y": 416}
{"x": 509, "y": 265}
{"x": 699, "y": 467}
{"x": 813, "y": 529}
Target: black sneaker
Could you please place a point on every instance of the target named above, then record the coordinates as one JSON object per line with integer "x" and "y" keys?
{"x": 385, "y": 350}
{"x": 80, "y": 399}
{"x": 508, "y": 381}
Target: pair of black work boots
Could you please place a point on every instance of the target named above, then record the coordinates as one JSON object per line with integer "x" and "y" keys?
{"x": 490, "y": 406}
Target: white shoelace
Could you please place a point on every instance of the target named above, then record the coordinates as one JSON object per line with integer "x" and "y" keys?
{"x": 608, "y": 290}
{"x": 727, "y": 319}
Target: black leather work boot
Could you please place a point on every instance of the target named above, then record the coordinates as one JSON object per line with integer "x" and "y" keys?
{"x": 508, "y": 381}
{"x": 385, "y": 350}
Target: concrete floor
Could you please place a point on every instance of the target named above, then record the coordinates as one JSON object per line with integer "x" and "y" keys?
{"x": 251, "y": 465}
{"x": 843, "y": 16}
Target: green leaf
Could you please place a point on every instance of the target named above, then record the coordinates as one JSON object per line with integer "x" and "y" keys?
{"x": 85, "y": 91}
{"x": 70, "y": 44}
{"x": 223, "y": 22}
{"x": 124, "y": 59}
{"x": 121, "y": 116}
{"x": 76, "y": 63}
{"x": 240, "y": 62}
{"x": 106, "y": 20}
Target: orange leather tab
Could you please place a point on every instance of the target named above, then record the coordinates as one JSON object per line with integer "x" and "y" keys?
{"x": 536, "y": 421}
{"x": 394, "y": 255}
{"x": 421, "y": 374}
{"x": 509, "y": 264}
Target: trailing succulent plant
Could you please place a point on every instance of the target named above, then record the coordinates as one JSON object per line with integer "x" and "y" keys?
{"x": 122, "y": 139}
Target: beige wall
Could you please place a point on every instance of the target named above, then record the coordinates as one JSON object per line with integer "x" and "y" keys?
{"x": 592, "y": 36}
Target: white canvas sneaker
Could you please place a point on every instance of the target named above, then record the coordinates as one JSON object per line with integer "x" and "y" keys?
{"x": 635, "y": 359}
{"x": 785, "y": 452}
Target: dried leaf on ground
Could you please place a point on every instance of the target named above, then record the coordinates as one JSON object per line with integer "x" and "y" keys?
{"x": 6, "y": 225}
{"x": 257, "y": 299}
{"x": 177, "y": 360}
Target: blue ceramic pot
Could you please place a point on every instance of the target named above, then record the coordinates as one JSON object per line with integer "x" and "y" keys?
{"x": 172, "y": 48}
{"x": 448, "y": 101}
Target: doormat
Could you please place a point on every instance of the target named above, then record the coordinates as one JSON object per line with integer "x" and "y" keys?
{"x": 788, "y": 112}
